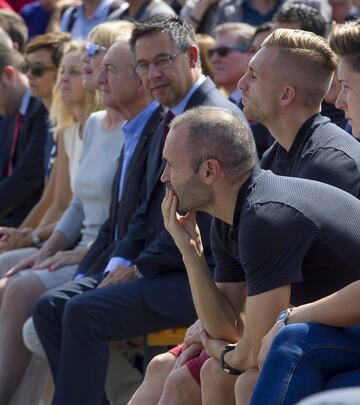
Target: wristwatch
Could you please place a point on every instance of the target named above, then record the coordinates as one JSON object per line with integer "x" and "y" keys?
{"x": 228, "y": 369}
{"x": 35, "y": 239}
{"x": 283, "y": 317}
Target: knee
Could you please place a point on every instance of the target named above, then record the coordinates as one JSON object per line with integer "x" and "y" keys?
{"x": 77, "y": 311}
{"x": 289, "y": 338}
{"x": 210, "y": 373}
{"x": 15, "y": 290}
{"x": 177, "y": 380}
{"x": 45, "y": 312}
{"x": 160, "y": 366}
{"x": 179, "y": 388}
{"x": 244, "y": 386}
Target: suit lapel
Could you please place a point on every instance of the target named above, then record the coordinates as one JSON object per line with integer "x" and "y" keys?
{"x": 146, "y": 135}
{"x": 115, "y": 193}
{"x": 155, "y": 159}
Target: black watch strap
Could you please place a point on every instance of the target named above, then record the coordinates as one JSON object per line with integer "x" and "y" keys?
{"x": 228, "y": 369}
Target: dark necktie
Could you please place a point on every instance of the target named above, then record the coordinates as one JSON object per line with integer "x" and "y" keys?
{"x": 14, "y": 142}
{"x": 168, "y": 118}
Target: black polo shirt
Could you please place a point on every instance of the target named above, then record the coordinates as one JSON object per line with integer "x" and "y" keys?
{"x": 289, "y": 231}
{"x": 321, "y": 151}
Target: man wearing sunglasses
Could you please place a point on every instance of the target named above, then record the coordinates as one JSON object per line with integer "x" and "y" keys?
{"x": 230, "y": 56}
{"x": 23, "y": 135}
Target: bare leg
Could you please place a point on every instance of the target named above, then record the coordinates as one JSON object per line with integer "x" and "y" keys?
{"x": 180, "y": 389}
{"x": 216, "y": 386}
{"x": 8, "y": 260}
{"x": 18, "y": 297}
{"x": 3, "y": 283}
{"x": 244, "y": 386}
{"x": 151, "y": 388}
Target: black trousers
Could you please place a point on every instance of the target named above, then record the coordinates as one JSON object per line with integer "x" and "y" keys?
{"x": 76, "y": 321}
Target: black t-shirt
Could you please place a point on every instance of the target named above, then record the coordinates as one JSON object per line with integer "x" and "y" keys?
{"x": 289, "y": 231}
{"x": 321, "y": 151}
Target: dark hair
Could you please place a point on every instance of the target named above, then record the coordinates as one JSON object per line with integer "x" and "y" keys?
{"x": 10, "y": 57}
{"x": 179, "y": 30}
{"x": 217, "y": 133}
{"x": 267, "y": 26}
{"x": 52, "y": 41}
{"x": 15, "y": 26}
{"x": 244, "y": 32}
{"x": 345, "y": 42}
{"x": 308, "y": 18}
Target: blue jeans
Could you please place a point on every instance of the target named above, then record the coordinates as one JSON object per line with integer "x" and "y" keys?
{"x": 308, "y": 358}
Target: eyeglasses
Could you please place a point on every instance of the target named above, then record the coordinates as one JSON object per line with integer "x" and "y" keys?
{"x": 223, "y": 51}
{"x": 36, "y": 70}
{"x": 142, "y": 67}
{"x": 93, "y": 49}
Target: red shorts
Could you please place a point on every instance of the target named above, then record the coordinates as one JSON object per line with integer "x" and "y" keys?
{"x": 194, "y": 365}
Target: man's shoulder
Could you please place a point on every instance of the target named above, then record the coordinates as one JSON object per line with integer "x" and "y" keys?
{"x": 208, "y": 95}
{"x": 327, "y": 134}
{"x": 330, "y": 144}
{"x": 36, "y": 106}
{"x": 154, "y": 120}
{"x": 308, "y": 196}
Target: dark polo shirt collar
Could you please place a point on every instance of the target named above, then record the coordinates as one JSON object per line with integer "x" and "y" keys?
{"x": 304, "y": 133}
{"x": 242, "y": 194}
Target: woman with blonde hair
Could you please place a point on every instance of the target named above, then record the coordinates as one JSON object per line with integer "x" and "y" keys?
{"x": 68, "y": 113}
{"x": 18, "y": 292}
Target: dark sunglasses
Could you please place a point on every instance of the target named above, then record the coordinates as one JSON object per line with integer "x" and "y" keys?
{"x": 93, "y": 49}
{"x": 36, "y": 70}
{"x": 224, "y": 50}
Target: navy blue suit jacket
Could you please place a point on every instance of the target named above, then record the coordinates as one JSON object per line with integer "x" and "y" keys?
{"x": 22, "y": 189}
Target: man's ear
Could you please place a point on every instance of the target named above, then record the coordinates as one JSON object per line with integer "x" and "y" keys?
{"x": 210, "y": 171}
{"x": 194, "y": 55}
{"x": 287, "y": 96}
{"x": 140, "y": 90}
{"x": 8, "y": 75}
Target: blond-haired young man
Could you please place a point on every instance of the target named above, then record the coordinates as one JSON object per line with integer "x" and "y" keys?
{"x": 293, "y": 364}
{"x": 283, "y": 90}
